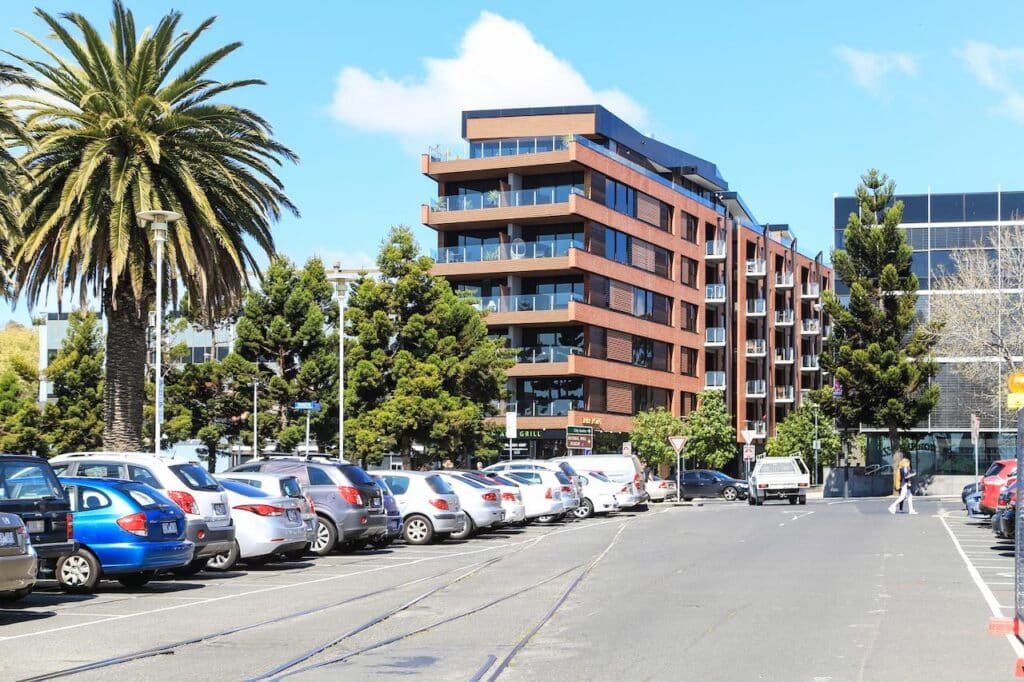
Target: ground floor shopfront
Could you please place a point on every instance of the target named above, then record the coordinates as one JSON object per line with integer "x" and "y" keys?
{"x": 939, "y": 453}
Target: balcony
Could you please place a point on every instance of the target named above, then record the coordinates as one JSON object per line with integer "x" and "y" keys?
{"x": 809, "y": 327}
{"x": 714, "y": 293}
{"x": 783, "y": 280}
{"x": 714, "y": 336}
{"x": 809, "y": 363}
{"x": 549, "y": 408}
{"x": 715, "y": 250}
{"x": 759, "y": 427}
{"x": 757, "y": 267}
{"x": 495, "y": 199}
{"x": 757, "y": 307}
{"x": 502, "y": 252}
{"x": 545, "y": 354}
{"x": 756, "y": 348}
{"x": 757, "y": 388}
{"x": 784, "y": 356}
{"x": 810, "y": 290}
{"x": 785, "y": 394}
{"x": 524, "y": 303}
{"x": 784, "y": 318}
{"x": 714, "y": 381}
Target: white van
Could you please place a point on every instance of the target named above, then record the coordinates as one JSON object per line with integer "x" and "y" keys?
{"x": 624, "y": 469}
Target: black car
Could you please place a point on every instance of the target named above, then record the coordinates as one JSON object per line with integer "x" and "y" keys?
{"x": 969, "y": 490}
{"x": 29, "y": 489}
{"x": 709, "y": 483}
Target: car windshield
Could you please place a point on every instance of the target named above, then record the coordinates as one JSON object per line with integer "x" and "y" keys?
{"x": 995, "y": 468}
{"x": 567, "y": 468}
{"x": 356, "y": 475}
{"x": 468, "y": 481}
{"x": 599, "y": 476}
{"x": 138, "y": 493}
{"x": 195, "y": 476}
{"x": 28, "y": 481}
{"x": 502, "y": 480}
{"x": 290, "y": 486}
{"x": 520, "y": 479}
{"x": 243, "y": 489}
{"x": 439, "y": 485}
{"x": 562, "y": 478}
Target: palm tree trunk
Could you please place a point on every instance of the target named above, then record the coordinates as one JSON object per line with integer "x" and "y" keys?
{"x": 124, "y": 391}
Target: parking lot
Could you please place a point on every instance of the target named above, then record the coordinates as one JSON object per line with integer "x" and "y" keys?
{"x": 836, "y": 590}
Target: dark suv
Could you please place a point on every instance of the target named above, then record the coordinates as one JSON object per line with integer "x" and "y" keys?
{"x": 30, "y": 489}
{"x": 349, "y": 503}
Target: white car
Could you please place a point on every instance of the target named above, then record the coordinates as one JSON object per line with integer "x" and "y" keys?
{"x": 511, "y": 495}
{"x": 208, "y": 522}
{"x": 542, "y": 494}
{"x": 285, "y": 485}
{"x": 265, "y": 526}
{"x": 555, "y": 465}
{"x": 481, "y": 503}
{"x": 598, "y": 496}
{"x": 660, "y": 489}
{"x": 623, "y": 469}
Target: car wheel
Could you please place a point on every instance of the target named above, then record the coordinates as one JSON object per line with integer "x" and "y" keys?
{"x": 417, "y": 530}
{"x": 547, "y": 518}
{"x": 467, "y": 531}
{"x": 758, "y": 501}
{"x": 78, "y": 572}
{"x": 224, "y": 561}
{"x": 729, "y": 493}
{"x": 803, "y": 499}
{"x": 585, "y": 510}
{"x": 381, "y": 541}
{"x": 136, "y": 579}
{"x": 792, "y": 499}
{"x": 750, "y": 500}
{"x": 326, "y": 537}
{"x": 16, "y": 595}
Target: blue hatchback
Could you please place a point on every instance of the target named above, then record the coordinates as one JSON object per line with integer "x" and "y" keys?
{"x": 125, "y": 530}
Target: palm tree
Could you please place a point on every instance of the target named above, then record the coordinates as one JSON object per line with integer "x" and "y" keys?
{"x": 119, "y": 127}
{"x": 12, "y": 135}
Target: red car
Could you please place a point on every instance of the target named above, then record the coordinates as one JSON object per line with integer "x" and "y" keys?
{"x": 995, "y": 478}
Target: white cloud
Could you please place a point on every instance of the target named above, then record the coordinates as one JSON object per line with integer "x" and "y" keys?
{"x": 998, "y": 69}
{"x": 869, "y": 69}
{"x": 499, "y": 64}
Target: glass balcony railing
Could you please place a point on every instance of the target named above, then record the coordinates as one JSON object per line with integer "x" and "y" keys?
{"x": 784, "y": 355}
{"x": 714, "y": 381}
{"x": 810, "y": 326}
{"x": 714, "y": 293}
{"x": 483, "y": 149}
{"x": 714, "y": 336}
{"x": 514, "y": 251}
{"x": 756, "y": 347}
{"x": 544, "y": 354}
{"x": 495, "y": 199}
{"x": 715, "y": 249}
{"x": 757, "y": 307}
{"x": 757, "y": 388}
{"x": 759, "y": 427}
{"x": 784, "y": 317}
{"x": 526, "y": 302}
{"x": 784, "y": 280}
{"x": 757, "y": 267}
{"x": 809, "y": 362}
{"x": 810, "y": 290}
{"x": 785, "y": 394}
{"x": 549, "y": 408}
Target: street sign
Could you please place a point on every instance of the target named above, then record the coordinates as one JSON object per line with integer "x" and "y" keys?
{"x": 677, "y": 443}
{"x": 975, "y": 428}
{"x": 511, "y": 424}
{"x": 837, "y": 389}
{"x": 309, "y": 406}
{"x": 816, "y": 445}
{"x": 579, "y": 437}
{"x": 516, "y": 445}
{"x": 580, "y": 430}
{"x": 748, "y": 435}
{"x": 627, "y": 448}
{"x": 748, "y": 453}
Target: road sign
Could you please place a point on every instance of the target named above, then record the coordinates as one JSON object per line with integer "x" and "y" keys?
{"x": 748, "y": 453}
{"x": 627, "y": 448}
{"x": 579, "y": 437}
{"x": 580, "y": 430}
{"x": 511, "y": 424}
{"x": 677, "y": 443}
{"x": 309, "y": 406}
{"x": 816, "y": 445}
{"x": 516, "y": 445}
{"x": 748, "y": 435}
{"x": 837, "y": 389}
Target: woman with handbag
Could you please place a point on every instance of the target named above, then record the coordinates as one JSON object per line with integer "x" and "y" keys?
{"x": 905, "y": 475}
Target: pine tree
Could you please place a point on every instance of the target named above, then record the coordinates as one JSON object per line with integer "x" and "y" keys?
{"x": 20, "y": 431}
{"x": 710, "y": 436}
{"x": 74, "y": 419}
{"x": 879, "y": 353}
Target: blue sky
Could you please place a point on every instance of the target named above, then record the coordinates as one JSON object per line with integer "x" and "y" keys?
{"x": 792, "y": 100}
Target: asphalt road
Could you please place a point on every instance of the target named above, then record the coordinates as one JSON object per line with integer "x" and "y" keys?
{"x": 823, "y": 592}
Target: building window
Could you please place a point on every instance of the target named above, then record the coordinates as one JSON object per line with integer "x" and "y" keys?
{"x": 597, "y": 395}
{"x": 616, "y": 246}
{"x": 689, "y": 312}
{"x": 648, "y": 305}
{"x": 690, "y": 227}
{"x": 650, "y": 354}
{"x": 688, "y": 403}
{"x": 688, "y": 361}
{"x": 648, "y": 398}
{"x": 688, "y": 271}
{"x": 622, "y": 248}
{"x": 552, "y": 397}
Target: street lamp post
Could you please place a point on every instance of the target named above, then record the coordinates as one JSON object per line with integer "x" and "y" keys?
{"x": 159, "y": 220}
{"x": 255, "y": 418}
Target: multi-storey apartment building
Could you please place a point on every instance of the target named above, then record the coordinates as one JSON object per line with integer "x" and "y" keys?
{"x": 623, "y": 271}
{"x": 935, "y": 226}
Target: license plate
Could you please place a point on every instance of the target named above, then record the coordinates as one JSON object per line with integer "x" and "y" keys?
{"x": 7, "y": 538}
{"x": 36, "y": 526}
{"x": 376, "y": 502}
{"x": 219, "y": 509}
{"x": 293, "y": 515}
{"x": 170, "y": 528}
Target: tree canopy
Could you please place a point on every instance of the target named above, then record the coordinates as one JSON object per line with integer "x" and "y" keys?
{"x": 74, "y": 418}
{"x": 711, "y": 438}
{"x": 795, "y": 434}
{"x": 651, "y": 430}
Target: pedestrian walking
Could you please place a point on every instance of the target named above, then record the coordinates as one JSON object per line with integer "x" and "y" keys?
{"x": 905, "y": 475}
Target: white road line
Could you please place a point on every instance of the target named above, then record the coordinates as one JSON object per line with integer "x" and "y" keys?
{"x": 986, "y": 593}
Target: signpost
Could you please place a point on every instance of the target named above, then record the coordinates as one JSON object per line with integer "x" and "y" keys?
{"x": 748, "y": 453}
{"x": 511, "y": 427}
{"x": 627, "y": 448}
{"x": 748, "y": 437}
{"x": 678, "y": 443}
{"x": 1015, "y": 400}
{"x": 307, "y": 407}
{"x": 579, "y": 437}
{"x": 975, "y": 437}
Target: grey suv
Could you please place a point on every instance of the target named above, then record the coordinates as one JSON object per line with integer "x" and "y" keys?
{"x": 348, "y": 502}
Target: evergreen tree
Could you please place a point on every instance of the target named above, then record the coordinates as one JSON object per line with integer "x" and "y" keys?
{"x": 74, "y": 419}
{"x": 795, "y": 434}
{"x": 710, "y": 437}
{"x": 878, "y": 353}
{"x": 420, "y": 368}
{"x": 20, "y": 431}
{"x": 651, "y": 430}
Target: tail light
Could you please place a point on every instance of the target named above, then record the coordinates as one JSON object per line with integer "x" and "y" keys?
{"x": 440, "y": 504}
{"x": 490, "y": 497}
{"x": 134, "y": 524}
{"x": 508, "y": 497}
{"x": 70, "y": 520}
{"x": 261, "y": 509}
{"x": 664, "y": 484}
{"x": 566, "y": 488}
{"x": 312, "y": 507}
{"x": 349, "y": 494}
{"x": 801, "y": 485}
{"x": 548, "y": 495}
{"x": 762, "y": 486}
{"x": 637, "y": 481}
{"x": 184, "y": 500}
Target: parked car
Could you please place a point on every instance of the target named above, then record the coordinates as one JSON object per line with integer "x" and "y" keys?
{"x": 287, "y": 486}
{"x": 778, "y": 478}
{"x": 973, "y": 503}
{"x": 542, "y": 494}
{"x": 993, "y": 481}
{"x": 266, "y": 526}
{"x": 598, "y": 496}
{"x": 660, "y": 489}
{"x": 126, "y": 531}
{"x": 30, "y": 490}
{"x": 481, "y": 504}
{"x": 1007, "y": 513}
{"x": 969, "y": 490}
{"x": 18, "y": 561}
{"x": 626, "y": 496}
{"x": 187, "y": 484}
{"x": 624, "y": 469}
{"x": 557, "y": 465}
{"x": 710, "y": 483}
{"x": 349, "y": 504}
{"x": 394, "y": 516}
{"x": 430, "y": 508}
{"x": 510, "y": 494}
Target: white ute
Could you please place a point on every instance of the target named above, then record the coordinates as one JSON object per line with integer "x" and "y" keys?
{"x": 779, "y": 478}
